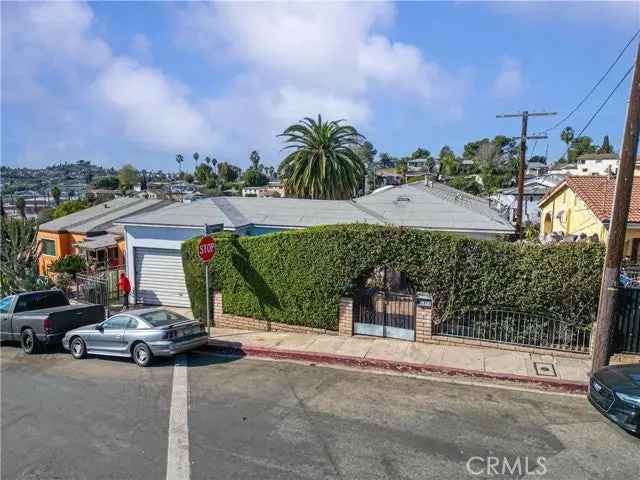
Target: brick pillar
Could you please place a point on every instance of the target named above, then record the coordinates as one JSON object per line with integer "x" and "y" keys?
{"x": 345, "y": 317}
{"x": 217, "y": 307}
{"x": 423, "y": 323}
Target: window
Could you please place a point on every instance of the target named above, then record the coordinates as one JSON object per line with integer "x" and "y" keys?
{"x": 5, "y": 304}
{"x": 119, "y": 322}
{"x": 133, "y": 324}
{"x": 160, "y": 318}
{"x": 49, "y": 247}
{"x": 40, "y": 300}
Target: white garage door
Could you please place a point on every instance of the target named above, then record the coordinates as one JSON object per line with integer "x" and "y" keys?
{"x": 160, "y": 277}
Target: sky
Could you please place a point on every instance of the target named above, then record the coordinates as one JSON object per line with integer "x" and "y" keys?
{"x": 139, "y": 82}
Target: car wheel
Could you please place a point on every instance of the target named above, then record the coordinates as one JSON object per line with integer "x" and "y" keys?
{"x": 29, "y": 341}
{"x": 78, "y": 348}
{"x": 142, "y": 355}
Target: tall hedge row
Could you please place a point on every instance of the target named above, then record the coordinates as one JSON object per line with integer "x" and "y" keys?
{"x": 297, "y": 277}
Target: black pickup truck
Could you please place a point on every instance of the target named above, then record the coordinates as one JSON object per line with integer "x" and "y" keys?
{"x": 42, "y": 318}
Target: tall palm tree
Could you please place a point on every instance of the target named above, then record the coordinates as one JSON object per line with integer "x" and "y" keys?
{"x": 179, "y": 160}
{"x": 324, "y": 163}
{"x": 196, "y": 156}
{"x": 567, "y": 136}
{"x": 207, "y": 160}
{"x": 402, "y": 168}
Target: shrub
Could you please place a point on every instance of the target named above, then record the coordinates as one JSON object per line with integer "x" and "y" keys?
{"x": 70, "y": 265}
{"x": 297, "y": 277}
{"x": 69, "y": 207}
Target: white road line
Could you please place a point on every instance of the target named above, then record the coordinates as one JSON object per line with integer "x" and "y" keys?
{"x": 178, "y": 463}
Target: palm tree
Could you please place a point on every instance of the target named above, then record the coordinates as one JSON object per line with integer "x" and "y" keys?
{"x": 324, "y": 163}
{"x": 207, "y": 160}
{"x": 567, "y": 137}
{"x": 196, "y": 156}
{"x": 179, "y": 160}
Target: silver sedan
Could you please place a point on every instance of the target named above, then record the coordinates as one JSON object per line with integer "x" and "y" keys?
{"x": 140, "y": 334}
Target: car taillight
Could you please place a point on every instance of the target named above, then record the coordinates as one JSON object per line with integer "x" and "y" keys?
{"x": 170, "y": 334}
{"x": 47, "y": 324}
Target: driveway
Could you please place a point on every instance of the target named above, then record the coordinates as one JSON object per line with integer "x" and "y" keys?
{"x": 109, "y": 419}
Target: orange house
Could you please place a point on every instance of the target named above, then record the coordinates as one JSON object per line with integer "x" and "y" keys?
{"x": 91, "y": 232}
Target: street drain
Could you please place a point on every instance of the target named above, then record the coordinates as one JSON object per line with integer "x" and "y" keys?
{"x": 545, "y": 369}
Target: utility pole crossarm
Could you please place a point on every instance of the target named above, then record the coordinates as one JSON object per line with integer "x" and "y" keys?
{"x": 523, "y": 152}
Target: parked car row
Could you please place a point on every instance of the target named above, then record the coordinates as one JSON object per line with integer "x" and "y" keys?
{"x": 42, "y": 318}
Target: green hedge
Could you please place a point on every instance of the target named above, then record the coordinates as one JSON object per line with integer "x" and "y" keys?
{"x": 297, "y": 277}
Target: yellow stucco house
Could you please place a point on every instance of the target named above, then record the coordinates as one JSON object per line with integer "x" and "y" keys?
{"x": 582, "y": 205}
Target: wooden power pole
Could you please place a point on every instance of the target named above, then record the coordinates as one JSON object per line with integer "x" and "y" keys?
{"x": 522, "y": 163}
{"x": 618, "y": 226}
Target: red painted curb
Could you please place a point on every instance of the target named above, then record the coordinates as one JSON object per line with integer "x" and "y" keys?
{"x": 234, "y": 348}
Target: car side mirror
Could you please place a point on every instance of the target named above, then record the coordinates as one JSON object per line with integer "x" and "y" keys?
{"x": 99, "y": 327}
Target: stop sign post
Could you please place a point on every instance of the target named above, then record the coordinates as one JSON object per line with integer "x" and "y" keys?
{"x": 206, "y": 252}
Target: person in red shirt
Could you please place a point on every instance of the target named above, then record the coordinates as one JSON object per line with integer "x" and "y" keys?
{"x": 125, "y": 288}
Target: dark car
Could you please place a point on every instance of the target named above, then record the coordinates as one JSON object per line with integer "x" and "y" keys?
{"x": 615, "y": 391}
{"x": 42, "y": 318}
{"x": 140, "y": 334}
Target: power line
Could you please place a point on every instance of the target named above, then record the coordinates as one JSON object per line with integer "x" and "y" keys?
{"x": 605, "y": 101}
{"x": 570, "y": 114}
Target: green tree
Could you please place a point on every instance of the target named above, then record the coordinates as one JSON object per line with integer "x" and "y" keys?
{"x": 254, "y": 159}
{"x": 387, "y": 161}
{"x": 466, "y": 184}
{"x": 566, "y": 136}
{"x": 202, "y": 173}
{"x": 538, "y": 159}
{"x": 367, "y": 152}
{"x": 21, "y": 206}
{"x": 55, "y": 193}
{"x": 127, "y": 177}
{"x": 606, "y": 146}
{"x": 69, "y": 264}
{"x": 179, "y": 160}
{"x": 254, "y": 178}
{"x": 581, "y": 146}
{"x": 449, "y": 164}
{"x": 323, "y": 163}
{"x": 402, "y": 167}
{"x": 45, "y": 215}
{"x": 228, "y": 172}
{"x": 19, "y": 254}
{"x": 69, "y": 207}
{"x": 108, "y": 183}
{"x": 196, "y": 156}
{"x": 188, "y": 178}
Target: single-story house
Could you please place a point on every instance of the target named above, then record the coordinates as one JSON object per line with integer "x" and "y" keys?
{"x": 153, "y": 239}
{"x": 535, "y": 189}
{"x": 582, "y": 206}
{"x": 91, "y": 232}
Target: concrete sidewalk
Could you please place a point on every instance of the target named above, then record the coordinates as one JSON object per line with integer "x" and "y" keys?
{"x": 488, "y": 363}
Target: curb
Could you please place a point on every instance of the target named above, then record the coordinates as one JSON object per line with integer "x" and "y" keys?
{"x": 227, "y": 348}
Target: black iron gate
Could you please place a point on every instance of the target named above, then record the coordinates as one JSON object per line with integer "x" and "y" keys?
{"x": 384, "y": 313}
{"x": 627, "y": 336}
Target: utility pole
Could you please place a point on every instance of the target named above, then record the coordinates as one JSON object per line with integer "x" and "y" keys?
{"x": 605, "y": 324}
{"x": 523, "y": 152}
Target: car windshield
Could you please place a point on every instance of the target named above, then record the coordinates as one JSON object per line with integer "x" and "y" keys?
{"x": 160, "y": 318}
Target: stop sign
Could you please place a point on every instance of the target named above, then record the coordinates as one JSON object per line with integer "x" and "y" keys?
{"x": 207, "y": 249}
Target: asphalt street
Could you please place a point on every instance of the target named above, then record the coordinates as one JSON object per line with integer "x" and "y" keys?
{"x": 101, "y": 418}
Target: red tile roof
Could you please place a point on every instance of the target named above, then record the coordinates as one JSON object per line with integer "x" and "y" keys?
{"x": 597, "y": 193}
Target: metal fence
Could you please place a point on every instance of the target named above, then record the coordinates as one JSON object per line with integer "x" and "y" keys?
{"x": 627, "y": 336}
{"x": 516, "y": 328}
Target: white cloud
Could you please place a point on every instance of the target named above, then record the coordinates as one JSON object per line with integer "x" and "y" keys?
{"x": 510, "y": 80}
{"x": 57, "y": 39}
{"x": 304, "y": 59}
{"x": 155, "y": 110}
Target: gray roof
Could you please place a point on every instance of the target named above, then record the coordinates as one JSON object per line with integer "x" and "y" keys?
{"x": 101, "y": 241}
{"x": 435, "y": 207}
{"x": 100, "y": 217}
{"x": 438, "y": 207}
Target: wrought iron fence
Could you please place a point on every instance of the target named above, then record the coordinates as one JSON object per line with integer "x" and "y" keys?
{"x": 627, "y": 336}
{"x": 516, "y": 328}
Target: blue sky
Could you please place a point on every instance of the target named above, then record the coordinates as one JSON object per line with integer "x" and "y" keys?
{"x": 132, "y": 82}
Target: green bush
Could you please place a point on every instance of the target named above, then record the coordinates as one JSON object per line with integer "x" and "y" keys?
{"x": 297, "y": 277}
{"x": 70, "y": 264}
